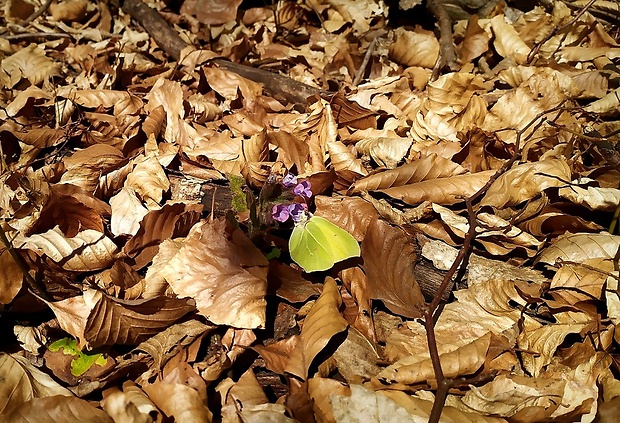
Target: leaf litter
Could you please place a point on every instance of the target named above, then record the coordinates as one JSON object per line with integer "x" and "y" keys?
{"x": 136, "y": 204}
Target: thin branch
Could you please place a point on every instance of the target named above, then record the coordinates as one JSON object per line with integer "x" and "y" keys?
{"x": 38, "y": 13}
{"x": 29, "y": 35}
{"x": 447, "y": 49}
{"x": 360, "y": 72}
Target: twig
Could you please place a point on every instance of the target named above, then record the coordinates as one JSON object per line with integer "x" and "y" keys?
{"x": 431, "y": 315}
{"x": 38, "y": 13}
{"x": 29, "y": 35}
{"x": 447, "y": 49}
{"x": 360, "y": 72}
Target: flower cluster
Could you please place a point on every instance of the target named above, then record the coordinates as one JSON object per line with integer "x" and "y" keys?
{"x": 296, "y": 211}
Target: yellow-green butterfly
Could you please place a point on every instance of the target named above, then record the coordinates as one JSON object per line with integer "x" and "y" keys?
{"x": 317, "y": 244}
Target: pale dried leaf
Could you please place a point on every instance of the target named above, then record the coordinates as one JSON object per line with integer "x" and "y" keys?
{"x": 446, "y": 191}
{"x": 22, "y": 381}
{"x": 57, "y": 409}
{"x": 322, "y": 323}
{"x": 519, "y": 398}
{"x": 11, "y": 277}
{"x": 594, "y": 198}
{"x": 30, "y": 63}
{"x": 127, "y": 213}
{"x": 526, "y": 181}
{"x": 214, "y": 271}
{"x": 463, "y": 359}
{"x": 581, "y": 247}
{"x": 179, "y": 401}
{"x": 507, "y": 41}
{"x": 427, "y": 168}
{"x": 414, "y": 48}
{"x": 89, "y": 250}
{"x": 149, "y": 181}
{"x": 385, "y": 151}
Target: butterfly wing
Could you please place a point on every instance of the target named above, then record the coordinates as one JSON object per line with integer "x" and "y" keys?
{"x": 318, "y": 244}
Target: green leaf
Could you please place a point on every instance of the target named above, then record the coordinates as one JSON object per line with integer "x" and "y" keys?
{"x": 318, "y": 244}
{"x": 83, "y": 360}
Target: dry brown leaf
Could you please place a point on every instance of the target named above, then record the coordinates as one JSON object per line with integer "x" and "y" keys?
{"x": 385, "y": 151}
{"x": 463, "y": 359}
{"x": 427, "y": 168}
{"x": 149, "y": 181}
{"x": 57, "y": 409}
{"x": 88, "y": 250}
{"x": 212, "y": 12}
{"x": 415, "y": 48}
{"x": 320, "y": 326}
{"x": 127, "y": 213}
{"x": 475, "y": 41}
{"x": 227, "y": 283}
{"x": 389, "y": 259}
{"x": 30, "y": 63}
{"x": 507, "y": 41}
{"x": 69, "y": 11}
{"x": 171, "y": 221}
{"x": 22, "y": 381}
{"x": 277, "y": 355}
{"x": 519, "y": 398}
{"x": 181, "y": 402}
{"x": 525, "y": 181}
{"x": 129, "y": 405}
{"x": 11, "y": 277}
{"x": 574, "y": 283}
{"x": 454, "y": 189}
{"x": 594, "y": 198}
{"x": 580, "y": 247}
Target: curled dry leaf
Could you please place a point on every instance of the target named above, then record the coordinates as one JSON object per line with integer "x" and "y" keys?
{"x": 580, "y": 247}
{"x": 30, "y": 63}
{"x": 148, "y": 180}
{"x": 574, "y": 283}
{"x": 463, "y": 359}
{"x": 227, "y": 283}
{"x": 431, "y": 167}
{"x": 69, "y": 11}
{"x": 389, "y": 259}
{"x": 594, "y": 198}
{"x": 322, "y": 323}
{"x": 454, "y": 189}
{"x": 539, "y": 344}
{"x": 525, "y": 181}
{"x": 179, "y": 401}
{"x": 385, "y": 151}
{"x": 22, "y": 381}
{"x": 507, "y": 41}
{"x": 56, "y": 409}
{"x": 11, "y": 277}
{"x": 127, "y": 212}
{"x": 415, "y": 48}
{"x": 88, "y": 250}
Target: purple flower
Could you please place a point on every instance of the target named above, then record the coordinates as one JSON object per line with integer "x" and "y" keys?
{"x": 303, "y": 189}
{"x": 289, "y": 180}
{"x": 280, "y": 212}
{"x": 297, "y": 211}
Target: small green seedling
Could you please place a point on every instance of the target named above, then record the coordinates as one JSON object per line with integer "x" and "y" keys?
{"x": 82, "y": 361}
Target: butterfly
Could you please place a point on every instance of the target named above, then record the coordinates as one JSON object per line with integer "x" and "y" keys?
{"x": 317, "y": 244}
